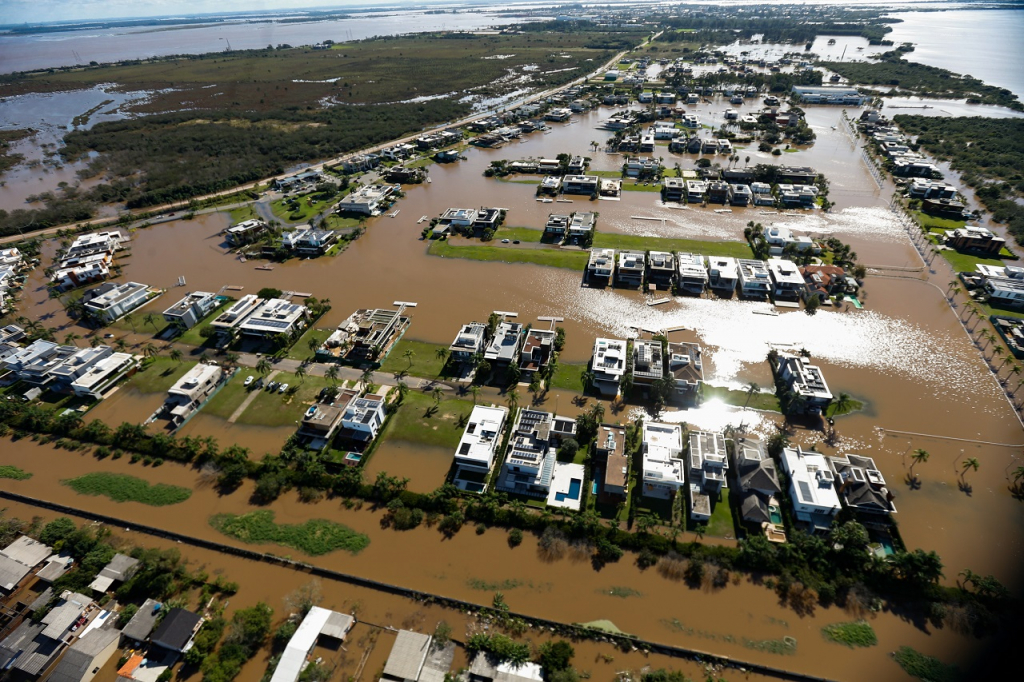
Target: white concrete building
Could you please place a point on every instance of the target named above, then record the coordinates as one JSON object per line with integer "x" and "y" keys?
{"x": 631, "y": 268}
{"x": 806, "y": 381}
{"x": 190, "y": 391}
{"x": 663, "y": 467}
{"x": 755, "y": 280}
{"x": 811, "y": 490}
{"x": 693, "y": 274}
{"x": 601, "y": 264}
{"x": 787, "y": 281}
{"x": 187, "y": 312}
{"x": 366, "y": 200}
{"x": 503, "y": 349}
{"x": 723, "y": 273}
{"x": 476, "y": 453}
{"x": 228, "y": 322}
{"x": 608, "y": 365}
{"x": 364, "y": 416}
{"x": 530, "y": 461}
{"x": 103, "y": 375}
{"x": 319, "y": 621}
{"x": 274, "y": 316}
{"x": 468, "y": 342}
{"x": 117, "y": 301}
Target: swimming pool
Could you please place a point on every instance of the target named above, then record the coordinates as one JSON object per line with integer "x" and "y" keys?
{"x": 574, "y": 491}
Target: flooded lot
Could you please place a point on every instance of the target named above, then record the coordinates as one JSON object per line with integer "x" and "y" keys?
{"x": 905, "y": 356}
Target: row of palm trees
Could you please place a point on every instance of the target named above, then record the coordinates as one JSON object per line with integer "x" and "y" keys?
{"x": 988, "y": 340}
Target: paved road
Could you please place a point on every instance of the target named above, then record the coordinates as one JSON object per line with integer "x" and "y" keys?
{"x": 182, "y": 205}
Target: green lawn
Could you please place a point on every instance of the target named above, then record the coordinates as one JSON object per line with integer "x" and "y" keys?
{"x": 425, "y": 362}
{"x": 416, "y": 420}
{"x": 124, "y": 488}
{"x": 523, "y": 234}
{"x": 421, "y": 162}
{"x": 193, "y": 336}
{"x": 640, "y": 187}
{"x": 757, "y": 401}
{"x": 933, "y": 222}
{"x": 159, "y": 375}
{"x": 300, "y": 349}
{"x": 567, "y": 377}
{"x": 605, "y": 173}
{"x": 608, "y": 240}
{"x": 556, "y": 258}
{"x": 283, "y": 409}
{"x": 302, "y": 210}
{"x": 963, "y": 262}
{"x": 721, "y": 523}
{"x": 333, "y": 221}
{"x": 315, "y": 537}
{"x": 229, "y": 397}
{"x": 243, "y": 213}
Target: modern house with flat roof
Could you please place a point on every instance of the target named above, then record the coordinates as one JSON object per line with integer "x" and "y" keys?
{"x": 477, "y": 449}
{"x": 695, "y": 191}
{"x": 686, "y": 367}
{"x": 364, "y": 416}
{"x": 611, "y": 457}
{"x": 102, "y": 375}
{"x": 811, "y": 487}
{"x": 787, "y": 282}
{"x": 608, "y": 365}
{"x": 806, "y": 381}
{"x": 274, "y": 316}
{"x": 663, "y": 467}
{"x": 551, "y": 184}
{"x": 538, "y": 344}
{"x": 468, "y": 342}
{"x": 187, "y": 312}
{"x": 317, "y": 622}
{"x": 367, "y": 200}
{"x": 503, "y": 349}
{"x": 228, "y": 322}
{"x": 601, "y": 265}
{"x": 117, "y": 301}
{"x": 661, "y": 268}
{"x": 708, "y": 462}
{"x": 581, "y": 225}
{"x": 319, "y": 425}
{"x": 631, "y": 268}
{"x": 245, "y": 232}
{"x": 755, "y": 280}
{"x": 557, "y": 225}
{"x": 693, "y": 274}
{"x": 190, "y": 391}
{"x": 530, "y": 460}
{"x": 647, "y": 362}
{"x": 309, "y": 241}
{"x": 367, "y": 334}
{"x": 580, "y": 184}
{"x": 861, "y": 485}
{"x": 723, "y": 273}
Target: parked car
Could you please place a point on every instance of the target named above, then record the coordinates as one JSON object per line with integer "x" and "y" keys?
{"x": 282, "y": 388}
{"x": 248, "y": 380}
{"x": 272, "y": 385}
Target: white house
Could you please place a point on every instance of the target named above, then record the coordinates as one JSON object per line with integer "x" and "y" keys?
{"x": 319, "y": 621}
{"x": 787, "y": 280}
{"x": 116, "y": 301}
{"x": 530, "y": 461}
{"x": 723, "y": 273}
{"x": 806, "y": 381}
{"x": 608, "y": 365}
{"x": 187, "y": 312}
{"x": 755, "y": 280}
{"x": 475, "y": 455}
{"x": 364, "y": 416}
{"x": 190, "y": 391}
{"x": 601, "y": 264}
{"x": 811, "y": 488}
{"x": 707, "y": 465}
{"x": 274, "y": 316}
{"x": 103, "y": 375}
{"x": 663, "y": 467}
{"x": 693, "y": 274}
{"x": 366, "y": 200}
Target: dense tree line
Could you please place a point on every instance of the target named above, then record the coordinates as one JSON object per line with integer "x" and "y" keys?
{"x": 988, "y": 153}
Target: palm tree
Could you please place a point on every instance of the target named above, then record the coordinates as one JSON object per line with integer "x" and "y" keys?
{"x": 367, "y": 376}
{"x": 752, "y": 388}
{"x": 475, "y": 390}
{"x": 971, "y": 463}
{"x": 1016, "y": 370}
{"x": 438, "y": 393}
{"x": 120, "y": 344}
{"x": 332, "y": 375}
{"x": 842, "y": 404}
{"x": 149, "y": 350}
{"x": 408, "y": 356}
{"x": 301, "y": 372}
{"x": 919, "y": 455}
{"x": 512, "y": 398}
{"x": 70, "y": 339}
{"x": 263, "y": 367}
{"x": 176, "y": 355}
{"x": 952, "y": 283}
{"x": 586, "y": 378}
{"x": 1017, "y": 476}
{"x": 130, "y": 319}
{"x": 95, "y": 341}
{"x": 313, "y": 343}
{"x": 150, "y": 319}
{"x": 442, "y": 354}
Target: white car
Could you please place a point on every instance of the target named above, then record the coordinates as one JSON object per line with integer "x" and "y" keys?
{"x": 504, "y": 241}
{"x": 282, "y": 388}
{"x": 248, "y": 380}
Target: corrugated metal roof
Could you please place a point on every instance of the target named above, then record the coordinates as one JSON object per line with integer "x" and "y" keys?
{"x": 27, "y": 551}
{"x": 407, "y": 655}
{"x": 81, "y": 657}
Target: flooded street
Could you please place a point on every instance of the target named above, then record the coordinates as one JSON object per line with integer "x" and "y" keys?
{"x": 906, "y": 356}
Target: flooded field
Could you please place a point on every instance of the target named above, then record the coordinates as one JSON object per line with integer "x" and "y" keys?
{"x": 905, "y": 356}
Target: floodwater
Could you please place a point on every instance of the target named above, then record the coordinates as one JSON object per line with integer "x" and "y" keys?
{"x": 905, "y": 355}
{"x": 26, "y": 52}
{"x": 473, "y": 567}
{"x": 985, "y": 44}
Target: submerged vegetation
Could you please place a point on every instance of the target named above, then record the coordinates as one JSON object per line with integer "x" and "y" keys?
{"x": 125, "y": 488}
{"x": 315, "y": 537}
{"x": 927, "y": 668}
{"x": 923, "y": 80}
{"x": 13, "y": 472}
{"x": 857, "y": 633}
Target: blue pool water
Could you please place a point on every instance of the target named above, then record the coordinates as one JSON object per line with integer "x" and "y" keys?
{"x": 574, "y": 491}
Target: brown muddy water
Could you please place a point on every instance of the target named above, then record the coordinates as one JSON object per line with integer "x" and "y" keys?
{"x": 375, "y": 612}
{"x": 905, "y": 355}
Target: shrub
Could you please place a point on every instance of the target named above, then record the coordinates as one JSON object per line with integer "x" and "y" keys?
{"x": 853, "y": 634}
{"x": 515, "y": 537}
